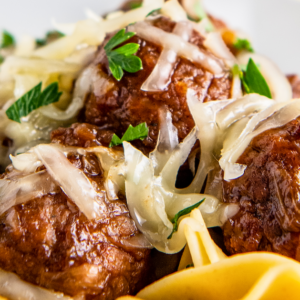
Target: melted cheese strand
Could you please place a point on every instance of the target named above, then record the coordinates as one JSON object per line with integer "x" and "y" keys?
{"x": 72, "y": 180}
{"x": 12, "y": 287}
{"x": 275, "y": 116}
{"x": 181, "y": 47}
{"x": 20, "y": 189}
{"x": 160, "y": 77}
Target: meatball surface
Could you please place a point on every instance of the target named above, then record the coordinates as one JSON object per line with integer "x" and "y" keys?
{"x": 49, "y": 242}
{"x": 124, "y": 103}
{"x": 295, "y": 83}
{"x": 268, "y": 194}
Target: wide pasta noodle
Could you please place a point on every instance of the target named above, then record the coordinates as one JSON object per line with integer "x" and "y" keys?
{"x": 251, "y": 276}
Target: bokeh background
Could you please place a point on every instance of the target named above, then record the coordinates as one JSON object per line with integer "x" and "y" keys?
{"x": 272, "y": 25}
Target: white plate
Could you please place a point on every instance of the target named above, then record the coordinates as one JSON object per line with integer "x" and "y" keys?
{"x": 272, "y": 24}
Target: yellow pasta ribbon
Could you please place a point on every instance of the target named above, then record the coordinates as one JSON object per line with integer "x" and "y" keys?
{"x": 250, "y": 276}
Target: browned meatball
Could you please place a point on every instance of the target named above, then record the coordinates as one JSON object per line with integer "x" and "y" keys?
{"x": 125, "y": 103}
{"x": 82, "y": 135}
{"x": 49, "y": 242}
{"x": 295, "y": 83}
{"x": 268, "y": 194}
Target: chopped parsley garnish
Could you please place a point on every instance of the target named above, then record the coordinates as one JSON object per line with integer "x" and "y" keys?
{"x": 189, "y": 266}
{"x": 7, "y": 39}
{"x": 32, "y": 100}
{"x": 252, "y": 80}
{"x": 132, "y": 133}
{"x": 135, "y": 4}
{"x": 154, "y": 12}
{"x": 122, "y": 58}
{"x": 182, "y": 213}
{"x": 243, "y": 44}
{"x": 50, "y": 37}
{"x": 1, "y": 59}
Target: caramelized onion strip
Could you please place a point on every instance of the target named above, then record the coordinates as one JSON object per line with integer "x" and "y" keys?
{"x": 181, "y": 47}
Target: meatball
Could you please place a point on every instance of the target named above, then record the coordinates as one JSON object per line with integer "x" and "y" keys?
{"x": 295, "y": 83}
{"x": 124, "y": 103}
{"x": 268, "y": 195}
{"x": 47, "y": 241}
{"x": 82, "y": 135}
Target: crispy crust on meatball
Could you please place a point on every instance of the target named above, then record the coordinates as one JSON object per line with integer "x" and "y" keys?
{"x": 268, "y": 195}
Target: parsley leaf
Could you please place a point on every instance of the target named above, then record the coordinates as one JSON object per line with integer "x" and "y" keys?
{"x": 122, "y": 58}
{"x": 50, "y": 37}
{"x": 201, "y": 13}
{"x": 7, "y": 39}
{"x": 253, "y": 81}
{"x": 243, "y": 44}
{"x": 132, "y": 133}
{"x": 32, "y": 100}
{"x": 153, "y": 12}
{"x": 135, "y": 4}
{"x": 182, "y": 213}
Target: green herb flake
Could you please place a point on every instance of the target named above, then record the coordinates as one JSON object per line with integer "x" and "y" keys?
{"x": 7, "y": 40}
{"x": 189, "y": 266}
{"x": 32, "y": 100}
{"x": 132, "y": 133}
{"x": 243, "y": 44}
{"x": 1, "y": 59}
{"x": 50, "y": 37}
{"x": 135, "y": 4}
{"x": 253, "y": 81}
{"x": 153, "y": 12}
{"x": 202, "y": 15}
{"x": 122, "y": 58}
{"x": 182, "y": 213}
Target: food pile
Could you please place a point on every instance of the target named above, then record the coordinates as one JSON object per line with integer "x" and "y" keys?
{"x": 126, "y": 136}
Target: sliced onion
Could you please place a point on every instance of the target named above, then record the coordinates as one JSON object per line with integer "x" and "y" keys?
{"x": 26, "y": 162}
{"x": 241, "y": 108}
{"x": 114, "y": 15}
{"x": 89, "y": 80}
{"x": 174, "y": 11}
{"x": 137, "y": 241}
{"x": 24, "y": 83}
{"x": 112, "y": 162}
{"x": 213, "y": 119}
{"x": 156, "y": 3}
{"x": 167, "y": 141}
{"x": 236, "y": 87}
{"x": 66, "y": 29}
{"x": 214, "y": 185}
{"x": 275, "y": 116}
{"x": 55, "y": 113}
{"x": 25, "y": 46}
{"x": 278, "y": 83}
{"x": 20, "y": 189}
{"x": 160, "y": 77}
{"x": 217, "y": 46}
{"x": 83, "y": 56}
{"x": 92, "y": 15}
{"x": 204, "y": 115}
{"x": 12, "y": 287}
{"x": 17, "y": 65}
{"x": 152, "y": 202}
{"x": 72, "y": 180}
{"x": 6, "y": 91}
{"x": 182, "y": 48}
{"x": 189, "y": 6}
